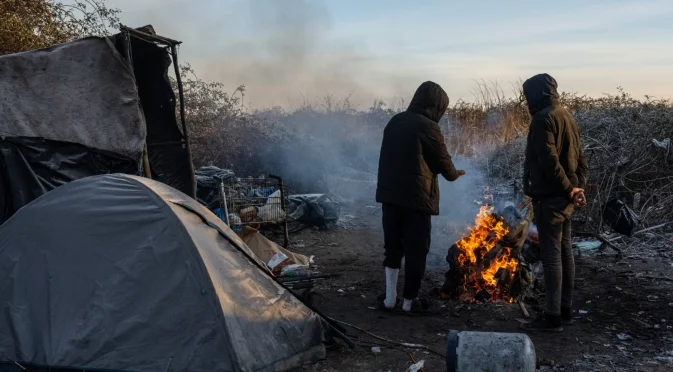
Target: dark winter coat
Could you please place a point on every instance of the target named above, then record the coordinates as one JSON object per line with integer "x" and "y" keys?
{"x": 555, "y": 162}
{"x": 413, "y": 153}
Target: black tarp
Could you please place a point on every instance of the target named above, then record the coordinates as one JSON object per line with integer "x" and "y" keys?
{"x": 314, "y": 209}
{"x": 30, "y": 167}
{"x": 167, "y": 152}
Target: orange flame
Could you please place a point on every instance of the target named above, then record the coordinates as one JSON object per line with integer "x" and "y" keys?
{"x": 488, "y": 230}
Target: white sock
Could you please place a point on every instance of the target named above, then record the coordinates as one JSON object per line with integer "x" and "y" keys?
{"x": 406, "y": 306}
{"x": 391, "y": 287}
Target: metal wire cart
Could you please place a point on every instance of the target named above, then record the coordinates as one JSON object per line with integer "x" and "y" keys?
{"x": 255, "y": 202}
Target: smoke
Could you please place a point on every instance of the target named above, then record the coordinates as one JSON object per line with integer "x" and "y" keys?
{"x": 286, "y": 53}
{"x": 458, "y": 208}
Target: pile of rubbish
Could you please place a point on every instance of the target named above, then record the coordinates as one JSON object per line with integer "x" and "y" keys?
{"x": 259, "y": 200}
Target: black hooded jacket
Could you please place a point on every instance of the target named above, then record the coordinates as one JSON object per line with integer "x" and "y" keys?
{"x": 555, "y": 162}
{"x": 413, "y": 153}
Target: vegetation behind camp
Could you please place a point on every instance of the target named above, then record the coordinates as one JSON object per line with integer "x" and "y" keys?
{"x": 34, "y": 24}
{"x": 625, "y": 137}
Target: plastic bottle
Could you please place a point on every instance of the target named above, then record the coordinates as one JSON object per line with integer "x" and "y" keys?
{"x": 489, "y": 352}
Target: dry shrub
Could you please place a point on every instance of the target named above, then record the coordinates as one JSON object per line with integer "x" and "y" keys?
{"x": 34, "y": 24}
{"x": 624, "y": 162}
{"x": 311, "y": 144}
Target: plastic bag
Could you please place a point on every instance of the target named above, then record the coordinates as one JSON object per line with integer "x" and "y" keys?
{"x": 620, "y": 217}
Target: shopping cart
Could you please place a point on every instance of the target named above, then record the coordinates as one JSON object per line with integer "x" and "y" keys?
{"x": 256, "y": 202}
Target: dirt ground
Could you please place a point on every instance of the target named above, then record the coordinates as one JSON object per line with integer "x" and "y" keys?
{"x": 627, "y": 325}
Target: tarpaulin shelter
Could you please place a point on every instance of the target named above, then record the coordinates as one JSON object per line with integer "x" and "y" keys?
{"x": 123, "y": 273}
{"x": 92, "y": 106}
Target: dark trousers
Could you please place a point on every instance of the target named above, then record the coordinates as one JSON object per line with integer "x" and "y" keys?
{"x": 552, "y": 217}
{"x": 406, "y": 234}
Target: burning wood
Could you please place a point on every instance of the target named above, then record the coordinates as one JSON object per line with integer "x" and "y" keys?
{"x": 484, "y": 265}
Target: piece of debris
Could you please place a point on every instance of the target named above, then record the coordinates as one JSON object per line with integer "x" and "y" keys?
{"x": 623, "y": 336}
{"x": 618, "y": 288}
{"x": 523, "y": 309}
{"x": 652, "y": 298}
{"x": 587, "y": 245}
{"x": 417, "y": 366}
{"x": 376, "y": 349}
{"x": 582, "y": 312}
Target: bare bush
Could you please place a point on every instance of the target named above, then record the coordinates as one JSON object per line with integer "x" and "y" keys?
{"x": 313, "y": 143}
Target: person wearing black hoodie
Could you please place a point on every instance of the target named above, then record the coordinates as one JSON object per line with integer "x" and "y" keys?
{"x": 412, "y": 156}
{"x": 555, "y": 174}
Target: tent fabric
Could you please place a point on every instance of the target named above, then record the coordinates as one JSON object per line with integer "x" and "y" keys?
{"x": 31, "y": 167}
{"x": 50, "y": 93}
{"x": 123, "y": 273}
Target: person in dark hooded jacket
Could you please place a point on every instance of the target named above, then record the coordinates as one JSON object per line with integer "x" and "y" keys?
{"x": 555, "y": 174}
{"x": 412, "y": 156}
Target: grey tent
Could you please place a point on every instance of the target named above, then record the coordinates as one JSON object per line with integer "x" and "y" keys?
{"x": 122, "y": 273}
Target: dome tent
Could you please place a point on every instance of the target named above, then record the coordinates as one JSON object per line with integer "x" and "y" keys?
{"x": 122, "y": 273}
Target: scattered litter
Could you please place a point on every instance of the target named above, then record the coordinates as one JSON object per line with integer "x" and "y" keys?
{"x": 622, "y": 349}
{"x": 441, "y": 334}
{"x": 276, "y": 260}
{"x": 376, "y": 349}
{"x": 340, "y": 290}
{"x": 588, "y": 302}
{"x": 623, "y": 336}
{"x": 588, "y": 245}
{"x": 416, "y": 367}
{"x": 371, "y": 308}
{"x": 618, "y": 288}
{"x": 583, "y": 312}
{"x": 652, "y": 298}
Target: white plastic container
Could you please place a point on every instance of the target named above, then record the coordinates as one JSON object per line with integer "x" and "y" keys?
{"x": 489, "y": 352}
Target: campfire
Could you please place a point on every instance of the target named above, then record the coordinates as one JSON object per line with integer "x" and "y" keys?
{"x": 482, "y": 267}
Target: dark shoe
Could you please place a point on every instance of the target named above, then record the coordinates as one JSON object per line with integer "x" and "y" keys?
{"x": 567, "y": 316}
{"x": 439, "y": 293}
{"x": 381, "y": 306}
{"x": 544, "y": 323}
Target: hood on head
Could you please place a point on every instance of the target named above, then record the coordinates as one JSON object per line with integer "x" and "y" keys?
{"x": 430, "y": 100}
{"x": 540, "y": 92}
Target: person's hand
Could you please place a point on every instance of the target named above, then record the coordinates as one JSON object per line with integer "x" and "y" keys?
{"x": 575, "y": 191}
{"x": 580, "y": 200}
{"x": 460, "y": 173}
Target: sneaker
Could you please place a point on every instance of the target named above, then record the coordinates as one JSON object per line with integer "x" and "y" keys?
{"x": 422, "y": 307}
{"x": 567, "y": 316}
{"x": 544, "y": 323}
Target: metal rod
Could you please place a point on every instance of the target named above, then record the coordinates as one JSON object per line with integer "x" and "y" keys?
{"x": 167, "y": 143}
{"x": 286, "y": 236}
{"x": 223, "y": 197}
{"x": 185, "y": 132}
{"x": 156, "y": 38}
